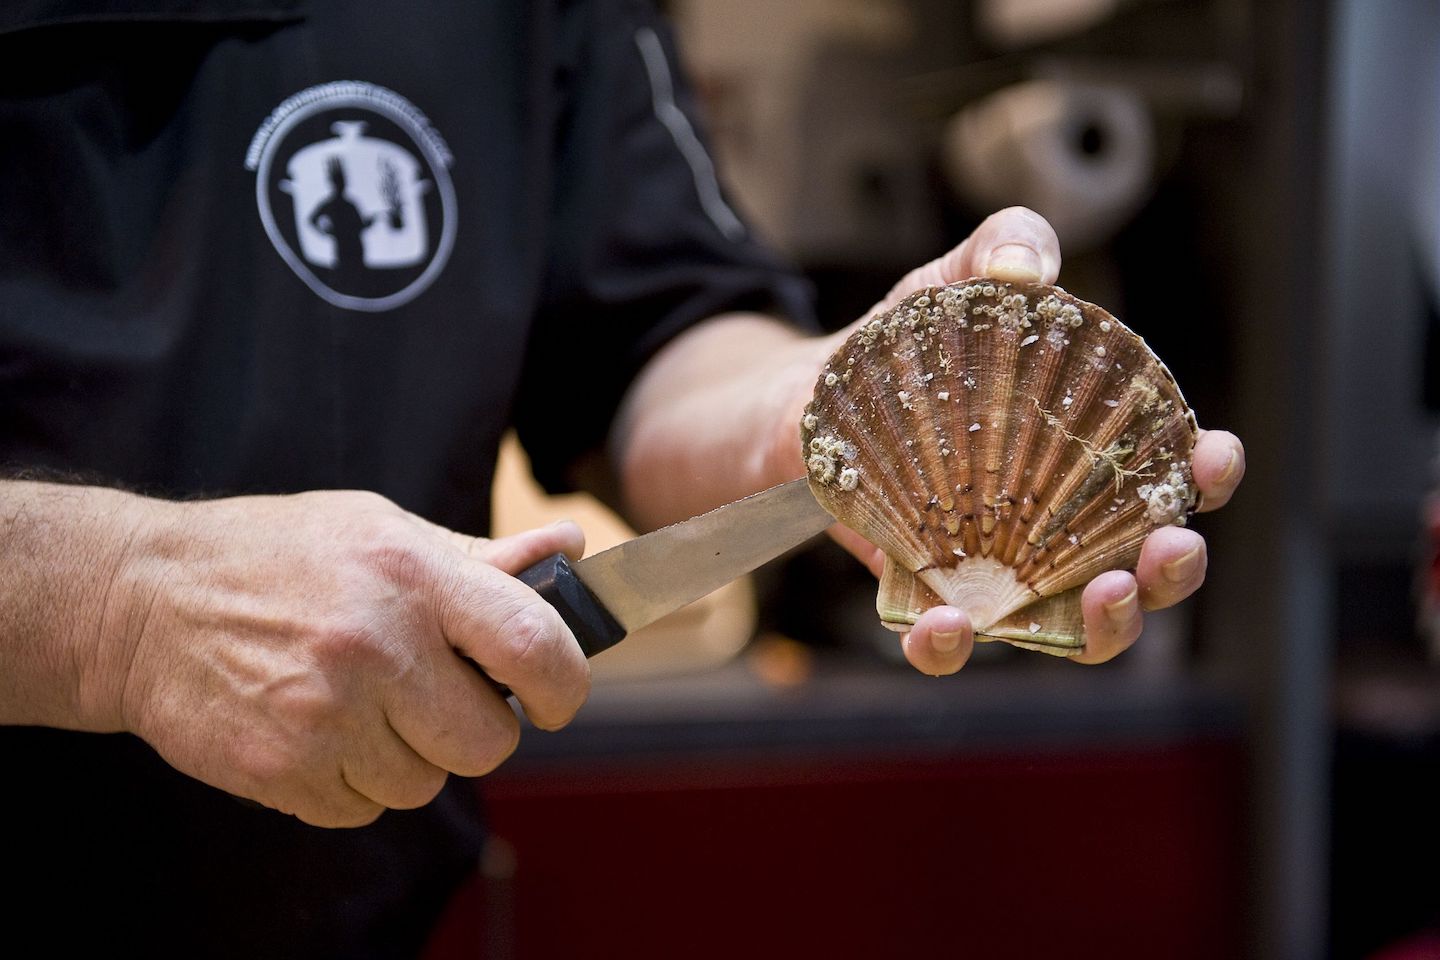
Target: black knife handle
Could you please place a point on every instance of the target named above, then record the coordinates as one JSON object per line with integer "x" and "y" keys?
{"x": 558, "y": 585}
{"x": 556, "y": 582}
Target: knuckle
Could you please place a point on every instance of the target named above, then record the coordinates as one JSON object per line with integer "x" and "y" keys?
{"x": 495, "y": 748}
{"x": 352, "y": 643}
{"x": 418, "y": 788}
{"x": 357, "y": 501}
{"x": 393, "y": 547}
{"x": 343, "y": 641}
{"x": 366, "y": 530}
{"x": 528, "y": 634}
{"x": 310, "y": 704}
{"x": 363, "y": 817}
{"x": 574, "y": 696}
{"x": 343, "y": 815}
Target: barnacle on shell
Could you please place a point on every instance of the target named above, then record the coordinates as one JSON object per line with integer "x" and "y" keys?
{"x": 1003, "y": 444}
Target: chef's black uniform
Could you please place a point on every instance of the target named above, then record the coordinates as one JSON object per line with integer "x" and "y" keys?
{"x": 258, "y": 246}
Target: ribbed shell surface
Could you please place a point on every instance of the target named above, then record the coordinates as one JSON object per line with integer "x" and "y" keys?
{"x": 1001, "y": 442}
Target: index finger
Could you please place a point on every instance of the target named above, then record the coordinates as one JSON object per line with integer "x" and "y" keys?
{"x": 518, "y": 640}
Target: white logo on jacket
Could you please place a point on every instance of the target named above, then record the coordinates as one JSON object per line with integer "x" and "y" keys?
{"x": 353, "y": 189}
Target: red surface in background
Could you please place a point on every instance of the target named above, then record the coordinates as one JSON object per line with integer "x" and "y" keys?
{"x": 1088, "y": 854}
{"x": 1424, "y": 946}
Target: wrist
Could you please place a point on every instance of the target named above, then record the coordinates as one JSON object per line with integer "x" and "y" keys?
{"x": 65, "y": 592}
{"x": 141, "y": 544}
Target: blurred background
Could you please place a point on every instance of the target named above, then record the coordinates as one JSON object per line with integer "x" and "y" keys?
{"x": 1254, "y": 187}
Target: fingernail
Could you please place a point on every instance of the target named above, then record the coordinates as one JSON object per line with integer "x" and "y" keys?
{"x": 1013, "y": 261}
{"x": 945, "y": 642}
{"x": 1182, "y": 568}
{"x": 1230, "y": 466}
{"x": 1122, "y": 611}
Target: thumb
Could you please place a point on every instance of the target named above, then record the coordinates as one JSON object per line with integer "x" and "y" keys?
{"x": 516, "y": 552}
{"x": 1015, "y": 244}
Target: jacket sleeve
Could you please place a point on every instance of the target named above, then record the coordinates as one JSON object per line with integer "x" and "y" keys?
{"x": 643, "y": 241}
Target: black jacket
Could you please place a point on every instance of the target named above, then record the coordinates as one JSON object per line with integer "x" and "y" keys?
{"x": 270, "y": 245}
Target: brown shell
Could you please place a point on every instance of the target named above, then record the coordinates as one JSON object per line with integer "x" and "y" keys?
{"x": 1003, "y": 444}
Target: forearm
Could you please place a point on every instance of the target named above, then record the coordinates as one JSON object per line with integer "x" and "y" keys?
{"x": 705, "y": 422}
{"x": 62, "y": 550}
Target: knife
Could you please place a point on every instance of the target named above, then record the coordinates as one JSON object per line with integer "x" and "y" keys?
{"x": 604, "y": 597}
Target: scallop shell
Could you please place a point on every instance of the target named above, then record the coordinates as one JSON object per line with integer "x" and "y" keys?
{"x": 1003, "y": 444}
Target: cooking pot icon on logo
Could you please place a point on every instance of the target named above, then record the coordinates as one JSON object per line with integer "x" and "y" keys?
{"x": 358, "y": 202}
{"x": 353, "y": 189}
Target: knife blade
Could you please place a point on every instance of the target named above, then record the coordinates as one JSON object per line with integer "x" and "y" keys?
{"x": 604, "y": 597}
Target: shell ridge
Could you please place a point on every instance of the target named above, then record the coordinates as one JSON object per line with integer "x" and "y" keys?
{"x": 909, "y": 479}
{"x": 1046, "y": 371}
{"x": 963, "y": 485}
{"x": 1085, "y": 462}
{"x": 926, "y": 423}
{"x": 1120, "y": 552}
{"x": 887, "y": 483}
{"x": 996, "y": 430}
{"x": 975, "y": 451}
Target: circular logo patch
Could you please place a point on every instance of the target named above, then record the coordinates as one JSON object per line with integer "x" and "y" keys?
{"x": 353, "y": 188}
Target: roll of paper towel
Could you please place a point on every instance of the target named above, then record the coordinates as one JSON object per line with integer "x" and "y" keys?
{"x": 1082, "y": 155}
